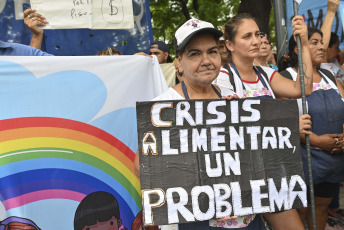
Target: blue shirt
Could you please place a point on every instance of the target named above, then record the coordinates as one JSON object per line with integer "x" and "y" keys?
{"x": 15, "y": 49}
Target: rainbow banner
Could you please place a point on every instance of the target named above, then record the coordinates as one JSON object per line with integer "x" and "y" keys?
{"x": 68, "y": 138}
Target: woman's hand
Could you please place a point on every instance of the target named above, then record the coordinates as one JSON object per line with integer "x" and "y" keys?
{"x": 227, "y": 218}
{"x": 332, "y": 5}
{"x": 230, "y": 97}
{"x": 329, "y": 142}
{"x": 305, "y": 124}
{"x": 339, "y": 145}
{"x": 300, "y": 28}
{"x": 33, "y": 20}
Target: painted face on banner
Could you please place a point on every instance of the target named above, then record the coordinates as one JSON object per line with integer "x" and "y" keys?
{"x": 246, "y": 41}
{"x": 316, "y": 48}
{"x": 111, "y": 224}
{"x": 200, "y": 61}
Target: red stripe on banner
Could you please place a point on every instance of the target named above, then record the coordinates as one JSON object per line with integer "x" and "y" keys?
{"x": 24, "y": 122}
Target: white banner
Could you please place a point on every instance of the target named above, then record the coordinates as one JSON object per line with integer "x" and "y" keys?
{"x": 92, "y": 14}
{"x": 68, "y": 137}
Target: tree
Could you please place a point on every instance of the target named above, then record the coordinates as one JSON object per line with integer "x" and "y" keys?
{"x": 260, "y": 9}
{"x": 168, "y": 15}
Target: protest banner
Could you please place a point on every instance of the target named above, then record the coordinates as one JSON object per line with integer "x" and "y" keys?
{"x": 68, "y": 130}
{"x": 92, "y": 14}
{"x": 204, "y": 159}
{"x": 314, "y": 12}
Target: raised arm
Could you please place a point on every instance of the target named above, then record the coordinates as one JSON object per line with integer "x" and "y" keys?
{"x": 332, "y": 7}
{"x": 33, "y": 20}
{"x": 286, "y": 88}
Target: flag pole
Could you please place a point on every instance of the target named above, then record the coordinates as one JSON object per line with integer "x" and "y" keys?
{"x": 304, "y": 108}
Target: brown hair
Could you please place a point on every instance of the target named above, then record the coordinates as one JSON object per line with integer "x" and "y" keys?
{"x": 109, "y": 52}
{"x": 231, "y": 27}
{"x": 21, "y": 226}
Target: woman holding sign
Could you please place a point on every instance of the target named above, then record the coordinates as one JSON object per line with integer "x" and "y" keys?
{"x": 326, "y": 106}
{"x": 243, "y": 39}
{"x": 199, "y": 63}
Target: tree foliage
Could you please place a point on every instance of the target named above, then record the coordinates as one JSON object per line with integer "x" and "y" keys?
{"x": 168, "y": 15}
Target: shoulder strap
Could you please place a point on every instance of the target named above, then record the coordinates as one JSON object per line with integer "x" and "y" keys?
{"x": 329, "y": 75}
{"x": 260, "y": 70}
{"x": 231, "y": 78}
{"x": 286, "y": 74}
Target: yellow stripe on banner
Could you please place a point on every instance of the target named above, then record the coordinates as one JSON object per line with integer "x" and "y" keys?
{"x": 53, "y": 142}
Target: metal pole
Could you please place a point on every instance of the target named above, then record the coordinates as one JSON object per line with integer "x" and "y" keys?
{"x": 280, "y": 28}
{"x": 304, "y": 108}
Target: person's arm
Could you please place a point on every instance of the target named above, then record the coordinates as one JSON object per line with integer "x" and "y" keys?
{"x": 326, "y": 142}
{"x": 33, "y": 20}
{"x": 332, "y": 7}
{"x": 286, "y": 88}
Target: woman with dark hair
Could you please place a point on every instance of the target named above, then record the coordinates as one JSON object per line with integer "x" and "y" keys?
{"x": 243, "y": 39}
{"x": 98, "y": 209}
{"x": 326, "y": 107}
{"x": 265, "y": 51}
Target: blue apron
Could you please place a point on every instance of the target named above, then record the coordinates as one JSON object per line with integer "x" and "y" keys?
{"x": 260, "y": 79}
{"x": 326, "y": 109}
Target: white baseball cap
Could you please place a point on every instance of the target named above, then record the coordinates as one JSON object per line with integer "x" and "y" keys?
{"x": 189, "y": 29}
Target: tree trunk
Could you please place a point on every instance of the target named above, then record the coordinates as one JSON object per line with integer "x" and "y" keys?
{"x": 260, "y": 9}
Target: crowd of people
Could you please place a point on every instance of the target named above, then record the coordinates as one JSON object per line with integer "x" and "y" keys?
{"x": 238, "y": 62}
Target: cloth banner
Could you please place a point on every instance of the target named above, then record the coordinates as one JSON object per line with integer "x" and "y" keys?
{"x": 78, "y": 42}
{"x": 68, "y": 130}
{"x": 314, "y": 12}
{"x": 205, "y": 159}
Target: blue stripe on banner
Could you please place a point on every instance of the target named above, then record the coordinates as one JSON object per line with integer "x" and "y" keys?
{"x": 14, "y": 173}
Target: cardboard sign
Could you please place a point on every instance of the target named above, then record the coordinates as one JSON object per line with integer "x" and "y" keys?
{"x": 205, "y": 159}
{"x": 92, "y": 14}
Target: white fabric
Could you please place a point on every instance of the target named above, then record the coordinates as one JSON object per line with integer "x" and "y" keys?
{"x": 223, "y": 80}
{"x": 190, "y": 27}
{"x": 334, "y": 67}
{"x": 171, "y": 94}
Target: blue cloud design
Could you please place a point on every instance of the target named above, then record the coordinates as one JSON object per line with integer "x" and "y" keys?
{"x": 76, "y": 95}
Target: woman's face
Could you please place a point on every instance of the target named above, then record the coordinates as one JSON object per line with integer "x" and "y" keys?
{"x": 200, "y": 61}
{"x": 246, "y": 41}
{"x": 265, "y": 47}
{"x": 316, "y": 48}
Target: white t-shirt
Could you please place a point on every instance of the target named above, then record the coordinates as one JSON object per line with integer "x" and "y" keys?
{"x": 253, "y": 88}
{"x": 171, "y": 94}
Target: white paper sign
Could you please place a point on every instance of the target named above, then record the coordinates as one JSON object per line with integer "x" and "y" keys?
{"x": 92, "y": 14}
